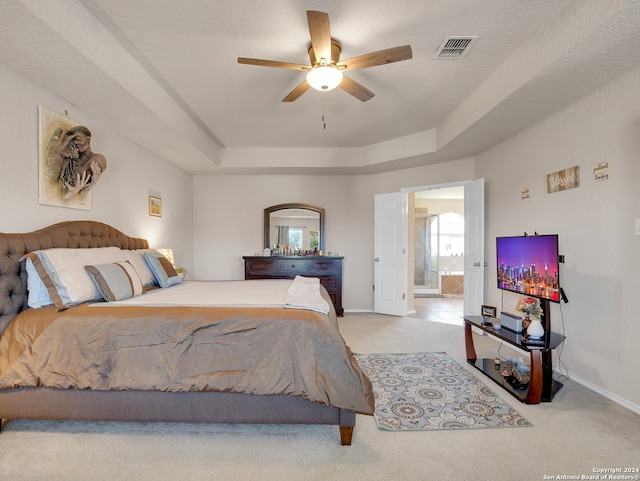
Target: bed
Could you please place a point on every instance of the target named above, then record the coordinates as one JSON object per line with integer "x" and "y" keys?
{"x": 198, "y": 376}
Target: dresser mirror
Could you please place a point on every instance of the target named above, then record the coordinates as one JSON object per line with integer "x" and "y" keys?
{"x": 297, "y": 225}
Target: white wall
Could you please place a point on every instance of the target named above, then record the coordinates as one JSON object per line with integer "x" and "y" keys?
{"x": 120, "y": 197}
{"x": 595, "y": 223}
{"x": 440, "y": 206}
{"x": 220, "y": 240}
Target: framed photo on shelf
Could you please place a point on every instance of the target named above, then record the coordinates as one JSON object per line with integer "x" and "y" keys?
{"x": 155, "y": 206}
{"x": 488, "y": 311}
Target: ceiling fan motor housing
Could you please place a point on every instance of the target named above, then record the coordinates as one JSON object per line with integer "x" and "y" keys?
{"x": 336, "y": 50}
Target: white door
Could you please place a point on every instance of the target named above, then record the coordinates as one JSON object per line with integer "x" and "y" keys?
{"x": 390, "y": 254}
{"x": 473, "y": 247}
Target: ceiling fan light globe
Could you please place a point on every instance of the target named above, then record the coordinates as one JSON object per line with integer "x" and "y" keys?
{"x": 324, "y": 78}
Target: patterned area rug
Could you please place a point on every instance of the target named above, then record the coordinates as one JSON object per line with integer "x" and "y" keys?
{"x": 431, "y": 391}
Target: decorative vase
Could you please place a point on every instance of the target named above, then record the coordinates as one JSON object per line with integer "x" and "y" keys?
{"x": 535, "y": 329}
{"x": 525, "y": 322}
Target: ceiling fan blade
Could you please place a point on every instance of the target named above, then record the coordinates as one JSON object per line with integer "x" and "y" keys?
{"x": 272, "y": 63}
{"x": 354, "y": 88}
{"x": 381, "y": 57}
{"x": 320, "y": 34}
{"x": 297, "y": 92}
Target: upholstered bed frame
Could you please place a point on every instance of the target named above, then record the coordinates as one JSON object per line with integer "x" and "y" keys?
{"x": 144, "y": 406}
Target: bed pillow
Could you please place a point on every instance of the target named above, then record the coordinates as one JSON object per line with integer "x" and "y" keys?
{"x": 38, "y": 295}
{"x": 163, "y": 270}
{"x": 137, "y": 260}
{"x": 62, "y": 272}
{"x": 116, "y": 281}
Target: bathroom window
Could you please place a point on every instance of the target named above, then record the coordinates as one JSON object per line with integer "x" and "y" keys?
{"x": 295, "y": 237}
{"x": 451, "y": 234}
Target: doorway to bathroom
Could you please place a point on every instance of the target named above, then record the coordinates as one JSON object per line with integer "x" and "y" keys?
{"x": 439, "y": 242}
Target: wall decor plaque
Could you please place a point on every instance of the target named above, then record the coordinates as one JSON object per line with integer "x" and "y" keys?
{"x": 601, "y": 171}
{"x": 563, "y": 179}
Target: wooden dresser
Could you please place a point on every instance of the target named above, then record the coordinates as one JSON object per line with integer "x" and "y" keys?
{"x": 327, "y": 269}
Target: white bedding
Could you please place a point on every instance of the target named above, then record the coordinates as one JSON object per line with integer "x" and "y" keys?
{"x": 304, "y": 293}
{"x": 254, "y": 293}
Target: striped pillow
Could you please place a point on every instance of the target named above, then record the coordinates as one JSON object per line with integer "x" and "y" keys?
{"x": 164, "y": 271}
{"x": 116, "y": 281}
{"x": 136, "y": 257}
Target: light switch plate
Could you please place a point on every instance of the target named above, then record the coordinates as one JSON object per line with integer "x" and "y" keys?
{"x": 637, "y": 227}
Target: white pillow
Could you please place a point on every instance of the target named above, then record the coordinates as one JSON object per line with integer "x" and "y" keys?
{"x": 62, "y": 272}
{"x": 137, "y": 260}
{"x": 38, "y": 296}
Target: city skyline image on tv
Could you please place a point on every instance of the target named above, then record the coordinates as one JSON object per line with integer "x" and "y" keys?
{"x": 529, "y": 265}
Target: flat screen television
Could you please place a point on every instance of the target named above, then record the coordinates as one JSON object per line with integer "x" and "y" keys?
{"x": 529, "y": 265}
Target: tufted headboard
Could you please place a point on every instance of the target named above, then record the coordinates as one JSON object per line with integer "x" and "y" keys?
{"x": 72, "y": 234}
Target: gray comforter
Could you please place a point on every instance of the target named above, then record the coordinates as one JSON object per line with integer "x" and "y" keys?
{"x": 242, "y": 349}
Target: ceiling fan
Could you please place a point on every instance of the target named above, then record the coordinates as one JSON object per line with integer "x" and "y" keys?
{"x": 325, "y": 71}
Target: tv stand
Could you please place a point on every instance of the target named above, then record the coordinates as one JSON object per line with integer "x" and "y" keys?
{"x": 542, "y": 386}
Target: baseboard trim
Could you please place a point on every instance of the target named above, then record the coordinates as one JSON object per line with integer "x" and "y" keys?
{"x": 603, "y": 392}
{"x": 371, "y": 311}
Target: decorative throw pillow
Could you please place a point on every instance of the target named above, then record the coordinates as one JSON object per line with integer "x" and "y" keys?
{"x": 63, "y": 274}
{"x": 136, "y": 257}
{"x": 163, "y": 270}
{"x": 116, "y": 281}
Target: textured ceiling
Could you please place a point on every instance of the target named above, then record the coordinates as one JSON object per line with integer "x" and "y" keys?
{"x": 165, "y": 73}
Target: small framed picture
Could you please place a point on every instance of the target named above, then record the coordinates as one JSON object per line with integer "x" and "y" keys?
{"x": 488, "y": 311}
{"x": 155, "y": 206}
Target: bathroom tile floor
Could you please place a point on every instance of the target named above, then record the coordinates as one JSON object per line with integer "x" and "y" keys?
{"x": 446, "y": 310}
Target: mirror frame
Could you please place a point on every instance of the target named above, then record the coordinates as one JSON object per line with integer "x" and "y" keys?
{"x": 275, "y": 208}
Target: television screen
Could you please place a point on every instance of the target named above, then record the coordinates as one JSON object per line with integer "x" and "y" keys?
{"x": 529, "y": 265}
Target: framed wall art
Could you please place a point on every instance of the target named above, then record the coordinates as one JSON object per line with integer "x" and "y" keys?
{"x": 68, "y": 168}
{"x": 155, "y": 206}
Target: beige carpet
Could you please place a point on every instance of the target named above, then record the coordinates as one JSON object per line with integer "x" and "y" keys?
{"x": 577, "y": 432}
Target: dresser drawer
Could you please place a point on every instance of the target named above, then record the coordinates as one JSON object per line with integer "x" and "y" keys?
{"x": 329, "y": 283}
{"x": 292, "y": 266}
{"x": 261, "y": 266}
{"x": 324, "y": 267}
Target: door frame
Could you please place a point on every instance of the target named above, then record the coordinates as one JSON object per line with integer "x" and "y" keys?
{"x": 409, "y": 269}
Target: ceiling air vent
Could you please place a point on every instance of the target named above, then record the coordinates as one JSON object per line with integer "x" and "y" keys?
{"x": 455, "y": 47}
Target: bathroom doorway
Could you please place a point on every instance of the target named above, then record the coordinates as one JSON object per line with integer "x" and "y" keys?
{"x": 439, "y": 242}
